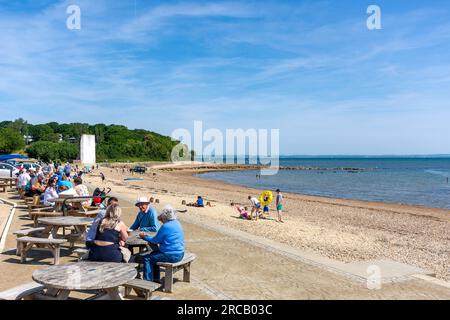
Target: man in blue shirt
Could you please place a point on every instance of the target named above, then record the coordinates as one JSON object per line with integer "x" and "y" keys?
{"x": 146, "y": 219}
{"x": 170, "y": 239}
{"x": 200, "y": 202}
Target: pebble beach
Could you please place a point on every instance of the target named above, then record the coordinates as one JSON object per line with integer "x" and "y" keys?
{"x": 345, "y": 230}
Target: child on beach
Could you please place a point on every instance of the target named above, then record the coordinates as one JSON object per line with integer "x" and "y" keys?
{"x": 279, "y": 201}
{"x": 243, "y": 214}
{"x": 266, "y": 212}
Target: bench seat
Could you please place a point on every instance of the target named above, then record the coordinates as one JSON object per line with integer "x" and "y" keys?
{"x": 33, "y": 232}
{"x": 25, "y": 291}
{"x": 53, "y": 245}
{"x": 171, "y": 268}
{"x": 141, "y": 287}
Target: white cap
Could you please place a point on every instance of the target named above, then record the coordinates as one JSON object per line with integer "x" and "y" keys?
{"x": 141, "y": 200}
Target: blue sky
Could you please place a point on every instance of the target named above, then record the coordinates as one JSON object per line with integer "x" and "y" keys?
{"x": 310, "y": 68}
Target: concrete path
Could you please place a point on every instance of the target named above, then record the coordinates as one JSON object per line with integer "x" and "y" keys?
{"x": 234, "y": 265}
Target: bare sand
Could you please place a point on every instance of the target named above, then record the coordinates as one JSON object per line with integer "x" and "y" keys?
{"x": 345, "y": 230}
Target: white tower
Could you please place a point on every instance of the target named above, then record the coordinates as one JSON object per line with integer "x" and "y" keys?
{"x": 87, "y": 149}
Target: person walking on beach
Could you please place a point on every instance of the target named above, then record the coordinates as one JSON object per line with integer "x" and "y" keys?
{"x": 102, "y": 176}
{"x": 279, "y": 200}
{"x": 256, "y": 206}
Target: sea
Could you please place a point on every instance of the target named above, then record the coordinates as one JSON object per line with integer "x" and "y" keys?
{"x": 423, "y": 181}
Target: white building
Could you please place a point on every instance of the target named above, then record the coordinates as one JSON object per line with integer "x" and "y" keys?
{"x": 87, "y": 149}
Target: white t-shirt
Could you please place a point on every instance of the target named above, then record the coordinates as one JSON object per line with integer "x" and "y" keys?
{"x": 255, "y": 202}
{"x": 24, "y": 178}
{"x": 50, "y": 193}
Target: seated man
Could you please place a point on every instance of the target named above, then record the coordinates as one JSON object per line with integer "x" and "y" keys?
{"x": 146, "y": 219}
{"x": 37, "y": 188}
{"x": 199, "y": 203}
{"x": 171, "y": 244}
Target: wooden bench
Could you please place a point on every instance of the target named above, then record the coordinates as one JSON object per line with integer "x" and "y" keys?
{"x": 25, "y": 292}
{"x": 39, "y": 213}
{"x": 171, "y": 268}
{"x": 141, "y": 287}
{"x": 52, "y": 245}
{"x": 32, "y": 232}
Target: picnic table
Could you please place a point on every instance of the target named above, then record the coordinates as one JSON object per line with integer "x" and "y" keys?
{"x": 134, "y": 241}
{"x": 53, "y": 224}
{"x": 100, "y": 277}
{"x": 64, "y": 200}
{"x": 11, "y": 181}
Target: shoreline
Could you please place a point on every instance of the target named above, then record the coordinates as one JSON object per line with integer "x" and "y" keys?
{"x": 195, "y": 168}
{"x": 396, "y": 207}
{"x": 344, "y": 230}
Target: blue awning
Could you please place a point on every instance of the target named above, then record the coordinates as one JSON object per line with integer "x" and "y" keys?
{"x": 11, "y": 156}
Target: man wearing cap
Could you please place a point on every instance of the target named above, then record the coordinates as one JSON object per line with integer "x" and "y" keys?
{"x": 146, "y": 219}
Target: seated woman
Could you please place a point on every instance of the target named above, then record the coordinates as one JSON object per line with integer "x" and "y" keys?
{"x": 111, "y": 234}
{"x": 63, "y": 184}
{"x": 50, "y": 192}
{"x": 170, "y": 238}
{"x": 82, "y": 191}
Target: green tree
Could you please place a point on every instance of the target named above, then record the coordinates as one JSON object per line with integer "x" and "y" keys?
{"x": 46, "y": 151}
{"x": 10, "y": 140}
{"x": 41, "y": 132}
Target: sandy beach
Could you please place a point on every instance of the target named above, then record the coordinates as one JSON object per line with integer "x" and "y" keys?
{"x": 345, "y": 230}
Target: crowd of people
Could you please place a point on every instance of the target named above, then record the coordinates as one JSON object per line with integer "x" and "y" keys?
{"x": 107, "y": 236}
{"x": 48, "y": 181}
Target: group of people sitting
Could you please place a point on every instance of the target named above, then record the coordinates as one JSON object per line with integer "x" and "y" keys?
{"x": 108, "y": 234}
{"x": 49, "y": 181}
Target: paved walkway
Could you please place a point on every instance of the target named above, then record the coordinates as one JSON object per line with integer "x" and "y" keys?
{"x": 233, "y": 265}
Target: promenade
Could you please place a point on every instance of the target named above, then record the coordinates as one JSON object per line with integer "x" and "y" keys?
{"x": 234, "y": 265}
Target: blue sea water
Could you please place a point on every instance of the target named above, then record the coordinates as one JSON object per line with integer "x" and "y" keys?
{"x": 415, "y": 180}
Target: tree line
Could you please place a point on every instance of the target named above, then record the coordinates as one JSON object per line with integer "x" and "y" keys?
{"x": 54, "y": 141}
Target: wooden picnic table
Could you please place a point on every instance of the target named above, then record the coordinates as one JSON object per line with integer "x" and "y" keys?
{"x": 99, "y": 277}
{"x": 59, "y": 202}
{"x": 11, "y": 181}
{"x": 134, "y": 241}
{"x": 53, "y": 224}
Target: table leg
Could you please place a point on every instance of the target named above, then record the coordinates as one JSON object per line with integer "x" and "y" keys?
{"x": 47, "y": 231}
{"x": 114, "y": 293}
{"x": 54, "y": 294}
{"x": 54, "y": 232}
{"x": 63, "y": 295}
